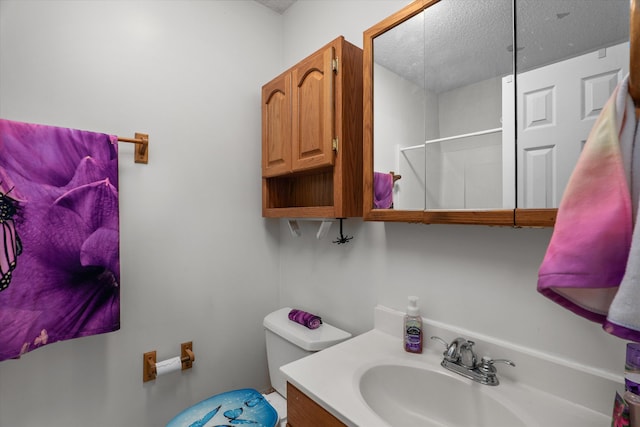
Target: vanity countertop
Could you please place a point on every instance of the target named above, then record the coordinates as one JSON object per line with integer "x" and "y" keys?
{"x": 331, "y": 378}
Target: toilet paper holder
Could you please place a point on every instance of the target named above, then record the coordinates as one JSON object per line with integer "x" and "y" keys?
{"x": 149, "y": 370}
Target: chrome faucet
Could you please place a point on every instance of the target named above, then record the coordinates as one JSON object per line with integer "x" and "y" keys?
{"x": 460, "y": 358}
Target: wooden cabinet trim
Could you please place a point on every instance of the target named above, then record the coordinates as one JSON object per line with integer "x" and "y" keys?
{"x": 535, "y": 217}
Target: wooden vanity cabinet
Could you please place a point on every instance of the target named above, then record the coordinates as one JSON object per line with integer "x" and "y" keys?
{"x": 312, "y": 136}
{"x": 304, "y": 412}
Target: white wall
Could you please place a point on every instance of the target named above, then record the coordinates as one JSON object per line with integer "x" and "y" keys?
{"x": 198, "y": 261}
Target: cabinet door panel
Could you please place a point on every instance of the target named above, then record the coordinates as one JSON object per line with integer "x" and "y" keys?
{"x": 313, "y": 112}
{"x": 304, "y": 412}
{"x": 276, "y": 126}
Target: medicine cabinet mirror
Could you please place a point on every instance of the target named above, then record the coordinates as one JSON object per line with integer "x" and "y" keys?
{"x": 475, "y": 112}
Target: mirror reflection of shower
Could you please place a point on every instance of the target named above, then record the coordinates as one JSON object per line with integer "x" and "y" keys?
{"x": 445, "y": 106}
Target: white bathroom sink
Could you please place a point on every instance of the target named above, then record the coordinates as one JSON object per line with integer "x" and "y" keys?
{"x": 370, "y": 381}
{"x": 411, "y": 396}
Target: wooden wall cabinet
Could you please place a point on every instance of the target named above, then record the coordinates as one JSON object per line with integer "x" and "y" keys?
{"x": 304, "y": 412}
{"x": 312, "y": 136}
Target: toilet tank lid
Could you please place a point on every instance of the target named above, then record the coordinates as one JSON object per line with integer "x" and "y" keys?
{"x": 308, "y": 339}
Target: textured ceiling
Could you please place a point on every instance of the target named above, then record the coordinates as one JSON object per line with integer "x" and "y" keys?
{"x": 277, "y": 5}
{"x": 458, "y": 42}
{"x": 466, "y": 41}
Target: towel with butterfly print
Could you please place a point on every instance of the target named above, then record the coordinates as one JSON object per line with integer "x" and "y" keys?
{"x": 59, "y": 245}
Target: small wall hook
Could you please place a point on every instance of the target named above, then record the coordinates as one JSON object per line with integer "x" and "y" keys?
{"x": 294, "y": 228}
{"x": 323, "y": 230}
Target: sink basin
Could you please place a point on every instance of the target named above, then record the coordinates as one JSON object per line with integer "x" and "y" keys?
{"x": 411, "y": 396}
{"x": 370, "y": 381}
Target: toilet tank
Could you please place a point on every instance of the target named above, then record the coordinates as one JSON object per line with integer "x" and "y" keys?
{"x": 288, "y": 341}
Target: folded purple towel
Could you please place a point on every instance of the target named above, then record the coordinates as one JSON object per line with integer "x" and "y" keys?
{"x": 382, "y": 190}
{"x": 309, "y": 320}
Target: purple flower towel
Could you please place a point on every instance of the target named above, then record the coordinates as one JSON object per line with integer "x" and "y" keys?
{"x": 309, "y": 320}
{"x": 60, "y": 266}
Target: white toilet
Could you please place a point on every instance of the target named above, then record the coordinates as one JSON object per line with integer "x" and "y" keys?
{"x": 286, "y": 341}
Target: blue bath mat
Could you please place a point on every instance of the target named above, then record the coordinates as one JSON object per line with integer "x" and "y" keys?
{"x": 245, "y": 407}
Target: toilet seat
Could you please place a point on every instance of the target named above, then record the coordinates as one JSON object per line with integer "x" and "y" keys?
{"x": 245, "y": 406}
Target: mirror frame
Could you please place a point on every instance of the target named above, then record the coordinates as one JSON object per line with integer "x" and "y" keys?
{"x": 502, "y": 217}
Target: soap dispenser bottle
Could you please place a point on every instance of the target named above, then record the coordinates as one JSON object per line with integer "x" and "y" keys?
{"x": 413, "y": 327}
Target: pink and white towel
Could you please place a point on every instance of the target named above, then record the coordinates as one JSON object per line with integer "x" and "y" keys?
{"x": 588, "y": 259}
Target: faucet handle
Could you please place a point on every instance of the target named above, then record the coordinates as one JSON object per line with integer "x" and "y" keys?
{"x": 446, "y": 345}
{"x": 506, "y": 361}
{"x": 487, "y": 364}
{"x": 489, "y": 371}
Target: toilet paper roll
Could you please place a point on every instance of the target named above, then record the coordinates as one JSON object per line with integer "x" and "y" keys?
{"x": 170, "y": 365}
